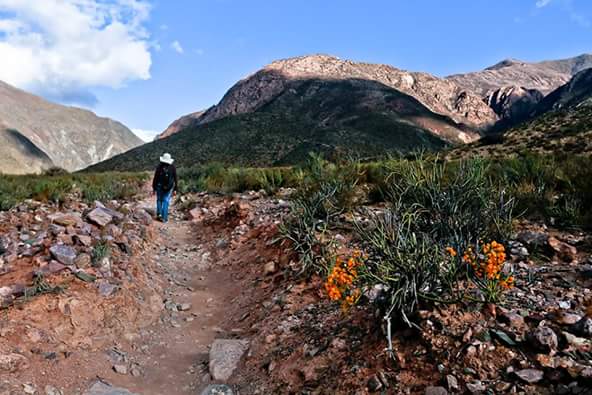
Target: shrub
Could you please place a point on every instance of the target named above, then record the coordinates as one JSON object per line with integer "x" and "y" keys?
{"x": 409, "y": 265}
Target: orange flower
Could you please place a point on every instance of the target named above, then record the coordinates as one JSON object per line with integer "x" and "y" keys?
{"x": 340, "y": 282}
{"x": 451, "y": 251}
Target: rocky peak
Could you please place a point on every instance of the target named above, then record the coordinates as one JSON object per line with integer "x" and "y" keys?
{"x": 441, "y": 96}
{"x": 505, "y": 63}
{"x": 513, "y": 102}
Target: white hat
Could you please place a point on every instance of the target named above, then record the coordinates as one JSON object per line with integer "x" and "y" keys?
{"x": 166, "y": 158}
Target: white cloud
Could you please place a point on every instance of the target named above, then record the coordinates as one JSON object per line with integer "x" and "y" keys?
{"x": 146, "y": 135}
{"x": 62, "y": 48}
{"x": 176, "y": 45}
{"x": 543, "y": 3}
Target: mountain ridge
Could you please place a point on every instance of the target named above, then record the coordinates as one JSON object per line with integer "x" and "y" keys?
{"x": 544, "y": 76}
{"x": 71, "y": 137}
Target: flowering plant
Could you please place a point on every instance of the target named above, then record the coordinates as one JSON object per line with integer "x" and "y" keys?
{"x": 486, "y": 265}
{"x": 341, "y": 282}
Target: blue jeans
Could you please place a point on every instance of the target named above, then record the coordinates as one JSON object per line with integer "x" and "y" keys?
{"x": 163, "y": 199}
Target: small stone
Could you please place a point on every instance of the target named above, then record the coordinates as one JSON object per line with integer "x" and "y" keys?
{"x": 531, "y": 376}
{"x": 217, "y": 389}
{"x": 51, "y": 390}
{"x": 436, "y": 391}
{"x": 12, "y": 362}
{"x": 64, "y": 219}
{"x": 476, "y": 387}
{"x": 452, "y": 382}
{"x": 107, "y": 289}
{"x": 514, "y": 319}
{"x": 564, "y": 251}
{"x": 221, "y": 244}
{"x": 135, "y": 371}
{"x": 564, "y": 318}
{"x": 64, "y": 254}
{"x": 270, "y": 268}
{"x": 83, "y": 240}
{"x": 29, "y": 389}
{"x": 374, "y": 384}
{"x": 184, "y": 307}
{"x": 99, "y": 217}
{"x": 121, "y": 369}
{"x": 83, "y": 261}
{"x": 582, "y": 328}
{"x": 544, "y": 339}
{"x": 101, "y": 388}
{"x": 502, "y": 387}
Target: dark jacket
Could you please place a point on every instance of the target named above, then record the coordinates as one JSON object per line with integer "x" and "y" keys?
{"x": 158, "y": 181}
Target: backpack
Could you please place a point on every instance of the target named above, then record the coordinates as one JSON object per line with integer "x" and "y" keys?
{"x": 166, "y": 180}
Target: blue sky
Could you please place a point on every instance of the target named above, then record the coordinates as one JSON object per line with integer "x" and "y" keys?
{"x": 166, "y": 58}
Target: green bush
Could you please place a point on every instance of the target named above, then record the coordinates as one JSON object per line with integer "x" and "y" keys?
{"x": 56, "y": 187}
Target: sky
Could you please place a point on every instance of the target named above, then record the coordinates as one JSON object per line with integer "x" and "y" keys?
{"x": 147, "y": 62}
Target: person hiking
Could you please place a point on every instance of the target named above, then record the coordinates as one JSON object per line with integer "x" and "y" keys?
{"x": 164, "y": 185}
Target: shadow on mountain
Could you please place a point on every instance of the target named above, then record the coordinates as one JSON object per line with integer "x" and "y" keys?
{"x": 21, "y": 154}
{"x": 356, "y": 117}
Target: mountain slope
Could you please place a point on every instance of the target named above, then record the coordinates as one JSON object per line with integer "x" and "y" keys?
{"x": 39, "y": 134}
{"x": 543, "y": 76}
{"x": 562, "y": 121}
{"x": 180, "y": 124}
{"x": 335, "y": 117}
{"x": 440, "y": 96}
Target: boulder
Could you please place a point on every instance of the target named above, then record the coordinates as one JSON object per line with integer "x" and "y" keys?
{"x": 100, "y": 388}
{"x": 102, "y": 215}
{"x": 225, "y": 355}
{"x": 99, "y": 217}
{"x": 63, "y": 254}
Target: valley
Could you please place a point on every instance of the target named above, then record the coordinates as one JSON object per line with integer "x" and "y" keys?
{"x": 338, "y": 226}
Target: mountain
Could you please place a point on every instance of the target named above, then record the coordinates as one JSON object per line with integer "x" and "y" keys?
{"x": 561, "y": 122}
{"x": 543, "y": 76}
{"x": 577, "y": 92}
{"x": 36, "y": 134}
{"x": 180, "y": 124}
{"x": 335, "y": 117}
{"x": 440, "y": 96}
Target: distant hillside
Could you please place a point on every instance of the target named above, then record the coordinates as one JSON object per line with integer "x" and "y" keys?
{"x": 562, "y": 121}
{"x": 543, "y": 76}
{"x": 180, "y": 124}
{"x": 365, "y": 118}
{"x": 36, "y": 134}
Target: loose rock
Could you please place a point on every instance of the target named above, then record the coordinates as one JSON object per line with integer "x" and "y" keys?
{"x": 225, "y": 355}
{"x": 530, "y": 376}
{"x": 64, "y": 254}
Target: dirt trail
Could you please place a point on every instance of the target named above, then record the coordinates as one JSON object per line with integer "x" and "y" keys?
{"x": 172, "y": 354}
{"x": 187, "y": 283}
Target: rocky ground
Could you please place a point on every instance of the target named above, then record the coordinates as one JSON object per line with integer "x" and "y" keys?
{"x": 100, "y": 299}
